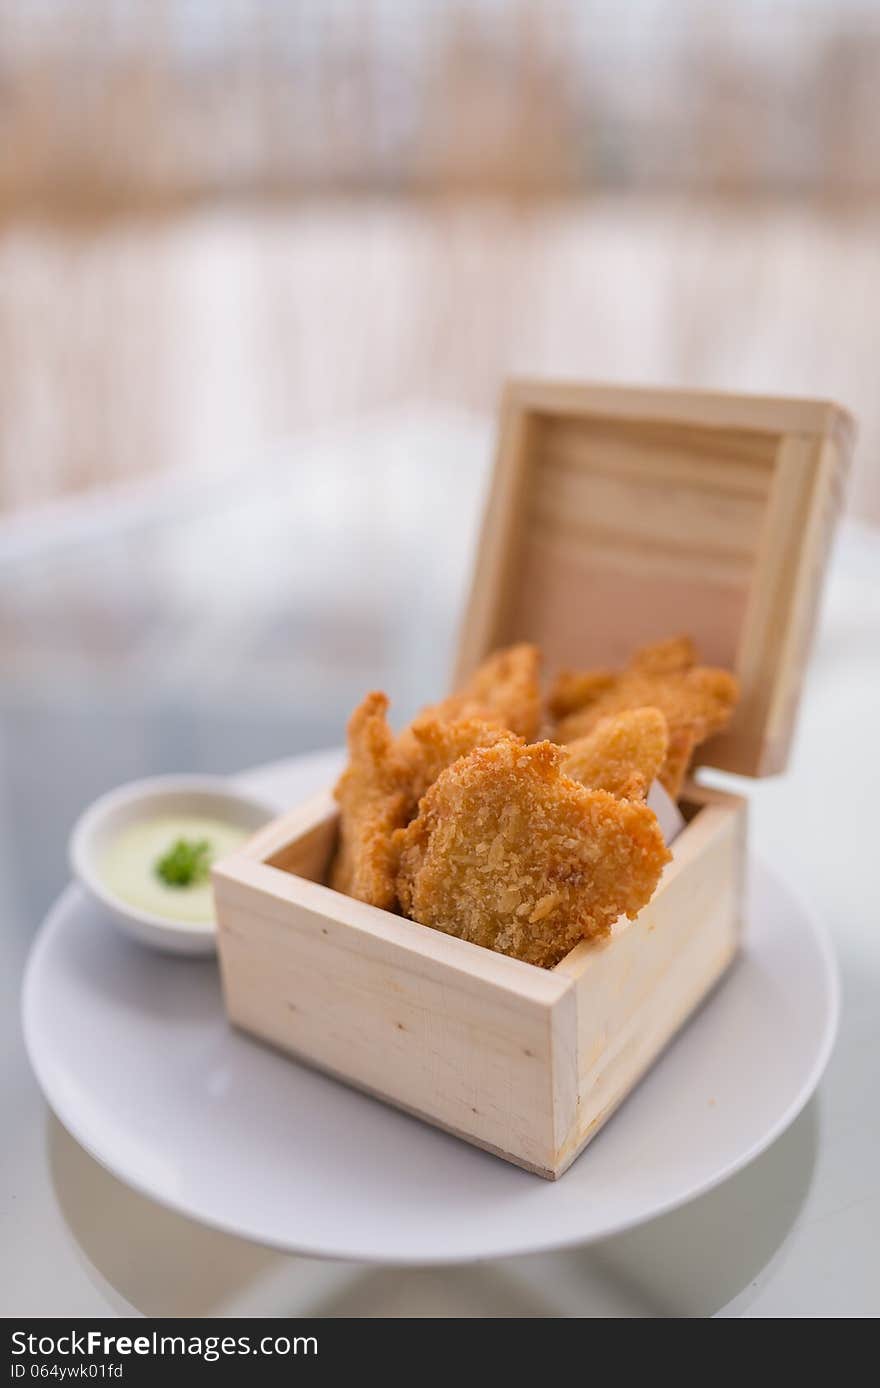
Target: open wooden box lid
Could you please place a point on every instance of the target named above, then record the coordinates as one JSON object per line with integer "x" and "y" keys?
{"x": 620, "y": 516}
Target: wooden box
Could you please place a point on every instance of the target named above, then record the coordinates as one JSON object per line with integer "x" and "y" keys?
{"x": 615, "y": 517}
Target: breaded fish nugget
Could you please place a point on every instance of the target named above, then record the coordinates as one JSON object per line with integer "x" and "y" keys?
{"x": 381, "y": 787}
{"x": 430, "y": 744}
{"x": 573, "y": 690}
{"x": 695, "y": 700}
{"x": 374, "y": 800}
{"x": 508, "y": 852}
{"x": 623, "y": 754}
{"x": 678, "y": 653}
{"x": 506, "y": 688}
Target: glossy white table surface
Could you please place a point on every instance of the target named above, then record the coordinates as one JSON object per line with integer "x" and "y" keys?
{"x": 796, "y": 1234}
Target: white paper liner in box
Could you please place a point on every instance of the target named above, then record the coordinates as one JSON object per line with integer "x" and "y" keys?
{"x": 669, "y": 816}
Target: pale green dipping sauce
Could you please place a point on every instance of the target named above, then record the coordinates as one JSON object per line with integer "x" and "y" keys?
{"x": 129, "y": 866}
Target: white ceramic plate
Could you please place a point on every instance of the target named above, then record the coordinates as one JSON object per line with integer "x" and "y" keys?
{"x": 133, "y": 1053}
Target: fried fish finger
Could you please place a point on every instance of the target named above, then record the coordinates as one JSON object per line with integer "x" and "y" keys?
{"x": 623, "y": 754}
{"x": 432, "y": 743}
{"x": 506, "y": 688}
{"x": 381, "y": 787}
{"x": 374, "y": 800}
{"x": 662, "y": 657}
{"x": 510, "y": 853}
{"x": 696, "y": 701}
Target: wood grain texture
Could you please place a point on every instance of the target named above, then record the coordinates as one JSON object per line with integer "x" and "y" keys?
{"x": 456, "y": 1044}
{"x": 635, "y": 993}
{"x": 615, "y": 517}
{"x": 704, "y": 409}
{"x": 521, "y": 1061}
{"x": 620, "y": 516}
{"x": 499, "y": 542}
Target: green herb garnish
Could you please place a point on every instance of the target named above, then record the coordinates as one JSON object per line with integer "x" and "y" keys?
{"x": 187, "y": 861}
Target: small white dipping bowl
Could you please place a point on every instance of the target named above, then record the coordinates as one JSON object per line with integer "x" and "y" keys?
{"x": 212, "y": 796}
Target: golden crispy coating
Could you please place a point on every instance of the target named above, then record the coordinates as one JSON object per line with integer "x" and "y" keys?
{"x": 509, "y": 682}
{"x": 572, "y": 690}
{"x": 696, "y": 701}
{"x": 381, "y": 787}
{"x": 623, "y": 754}
{"x": 508, "y": 852}
{"x": 506, "y": 688}
{"x": 682, "y": 745}
{"x": 678, "y": 653}
{"x": 432, "y": 743}
{"x": 374, "y": 801}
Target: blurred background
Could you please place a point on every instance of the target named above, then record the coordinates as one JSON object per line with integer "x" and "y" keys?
{"x": 263, "y": 268}
{"x": 264, "y": 265}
